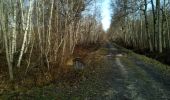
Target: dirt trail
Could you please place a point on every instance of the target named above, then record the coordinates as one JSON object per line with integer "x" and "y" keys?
{"x": 122, "y": 67}
{"x": 138, "y": 82}
{"x": 112, "y": 74}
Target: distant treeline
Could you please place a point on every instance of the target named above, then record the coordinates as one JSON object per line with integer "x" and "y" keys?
{"x": 142, "y": 24}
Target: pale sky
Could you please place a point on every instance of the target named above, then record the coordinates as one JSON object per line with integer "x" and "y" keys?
{"x": 106, "y": 14}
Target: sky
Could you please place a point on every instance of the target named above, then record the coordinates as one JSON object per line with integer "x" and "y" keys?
{"x": 106, "y": 14}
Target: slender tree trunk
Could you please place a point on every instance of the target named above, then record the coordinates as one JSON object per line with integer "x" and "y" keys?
{"x": 154, "y": 26}
{"x": 168, "y": 30}
{"x": 158, "y": 25}
{"x": 163, "y": 26}
{"x": 4, "y": 30}
{"x": 147, "y": 28}
{"x": 26, "y": 32}
{"x": 14, "y": 33}
{"x": 141, "y": 33}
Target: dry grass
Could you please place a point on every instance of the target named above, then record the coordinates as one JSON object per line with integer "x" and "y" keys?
{"x": 38, "y": 75}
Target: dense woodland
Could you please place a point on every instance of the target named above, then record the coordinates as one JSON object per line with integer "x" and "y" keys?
{"x": 60, "y": 50}
{"x": 142, "y": 24}
{"x": 44, "y": 33}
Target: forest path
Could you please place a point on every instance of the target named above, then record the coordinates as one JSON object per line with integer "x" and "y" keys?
{"x": 112, "y": 73}
{"x": 136, "y": 79}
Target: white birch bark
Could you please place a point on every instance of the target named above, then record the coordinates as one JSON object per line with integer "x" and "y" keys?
{"x": 50, "y": 26}
{"x": 3, "y": 22}
{"x": 14, "y": 33}
{"x": 26, "y": 32}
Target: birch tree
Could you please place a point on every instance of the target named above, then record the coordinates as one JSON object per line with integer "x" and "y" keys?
{"x": 26, "y": 32}
{"x": 51, "y": 29}
{"x": 158, "y": 25}
{"x": 5, "y": 31}
{"x": 146, "y": 26}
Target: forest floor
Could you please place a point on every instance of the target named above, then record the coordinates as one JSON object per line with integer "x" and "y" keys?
{"x": 111, "y": 73}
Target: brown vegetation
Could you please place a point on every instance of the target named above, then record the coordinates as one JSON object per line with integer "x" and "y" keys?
{"x": 40, "y": 40}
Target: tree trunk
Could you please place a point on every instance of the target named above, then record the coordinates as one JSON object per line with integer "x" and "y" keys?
{"x": 154, "y": 25}
{"x": 26, "y": 32}
{"x": 159, "y": 26}
{"x": 4, "y": 30}
{"x": 146, "y": 26}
